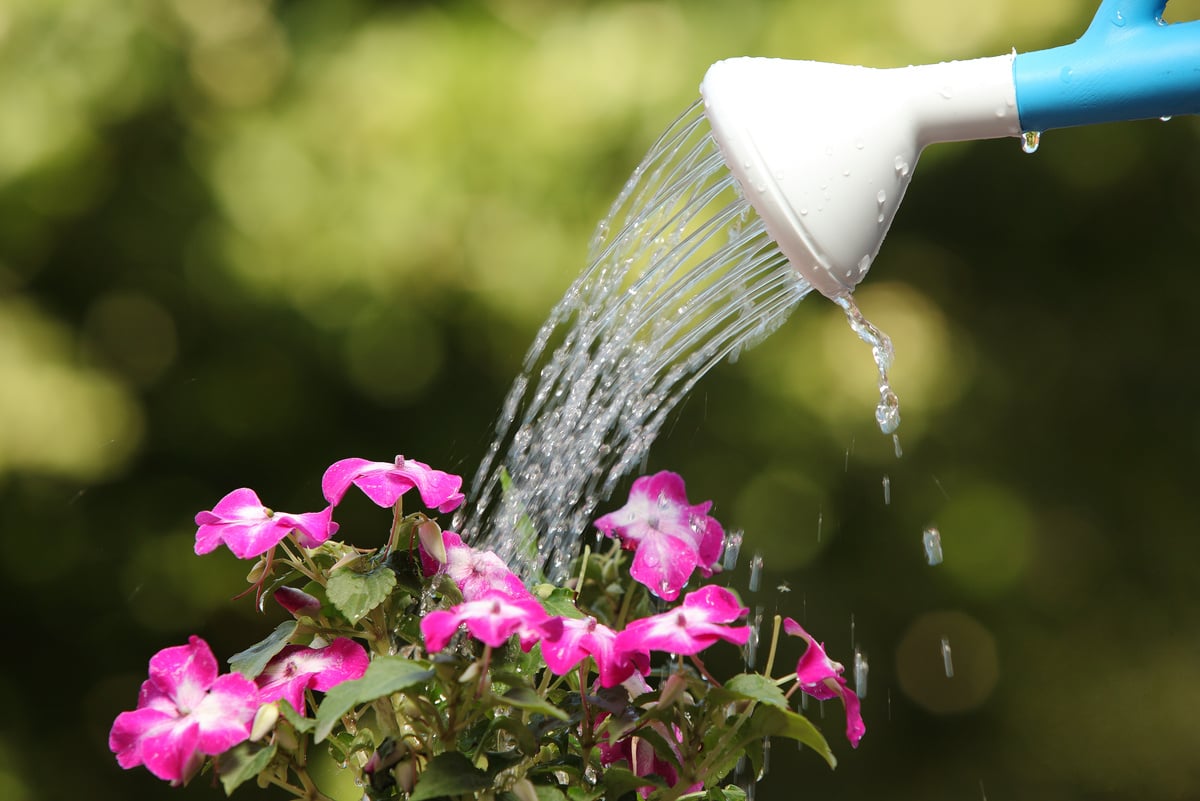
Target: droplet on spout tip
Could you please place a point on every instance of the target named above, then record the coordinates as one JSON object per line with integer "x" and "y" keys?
{"x": 1030, "y": 141}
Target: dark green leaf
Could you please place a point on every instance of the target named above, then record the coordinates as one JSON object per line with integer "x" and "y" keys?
{"x": 449, "y": 774}
{"x": 618, "y": 781}
{"x": 530, "y": 701}
{"x": 252, "y": 661}
{"x": 756, "y": 687}
{"x": 557, "y": 601}
{"x": 243, "y": 763}
{"x": 298, "y": 721}
{"x": 769, "y": 721}
{"x": 520, "y": 732}
{"x": 386, "y": 675}
{"x": 355, "y": 594}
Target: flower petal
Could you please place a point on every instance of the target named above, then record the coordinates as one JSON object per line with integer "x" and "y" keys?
{"x": 184, "y": 673}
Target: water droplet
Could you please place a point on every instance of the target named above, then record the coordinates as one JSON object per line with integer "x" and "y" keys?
{"x": 887, "y": 413}
{"x": 1065, "y": 74}
{"x": 932, "y": 540}
{"x": 896, "y": 444}
{"x": 846, "y": 173}
{"x": 733, "y": 546}
{"x": 947, "y": 660}
{"x": 820, "y": 520}
{"x": 947, "y": 92}
{"x": 881, "y": 197}
{"x": 803, "y": 211}
{"x": 756, "y": 568}
{"x": 902, "y": 165}
{"x": 1166, "y": 118}
{"x": 1030, "y": 141}
{"x": 1119, "y": 20}
{"x": 887, "y": 490}
{"x": 859, "y": 144}
{"x": 860, "y": 673}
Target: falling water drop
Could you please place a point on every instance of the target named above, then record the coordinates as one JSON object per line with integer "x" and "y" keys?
{"x": 932, "y": 539}
{"x": 1166, "y": 118}
{"x": 947, "y": 660}
{"x": 1030, "y": 141}
{"x": 887, "y": 490}
{"x": 756, "y": 568}
{"x": 820, "y": 518}
{"x": 896, "y": 444}
{"x": 733, "y": 547}
{"x": 860, "y": 673}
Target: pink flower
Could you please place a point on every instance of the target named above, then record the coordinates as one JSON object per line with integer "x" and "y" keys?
{"x": 689, "y": 628}
{"x": 475, "y": 573}
{"x": 185, "y": 711}
{"x": 298, "y": 668}
{"x": 821, "y": 677}
{"x": 672, "y": 538}
{"x": 581, "y": 638}
{"x": 385, "y": 482}
{"x": 249, "y": 529}
{"x": 491, "y": 619}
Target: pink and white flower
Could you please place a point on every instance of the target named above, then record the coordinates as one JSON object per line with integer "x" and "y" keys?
{"x": 671, "y": 538}
{"x": 298, "y": 668}
{"x": 581, "y": 638}
{"x": 474, "y": 572}
{"x": 385, "y": 482}
{"x": 491, "y": 619}
{"x": 185, "y": 711}
{"x": 249, "y": 529}
{"x": 697, "y": 623}
{"x": 643, "y": 760}
{"x": 821, "y": 677}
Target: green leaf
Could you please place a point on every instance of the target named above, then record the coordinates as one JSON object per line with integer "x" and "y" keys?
{"x": 356, "y": 593}
{"x": 730, "y": 792}
{"x": 546, "y": 792}
{"x": 557, "y": 601}
{"x": 449, "y": 774}
{"x": 386, "y": 675}
{"x": 756, "y": 687}
{"x": 530, "y": 701}
{"x": 769, "y": 721}
{"x": 242, "y": 763}
{"x": 252, "y": 661}
{"x": 298, "y": 721}
{"x": 526, "y": 742}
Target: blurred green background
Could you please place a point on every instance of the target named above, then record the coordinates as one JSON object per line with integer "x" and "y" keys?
{"x": 240, "y": 240}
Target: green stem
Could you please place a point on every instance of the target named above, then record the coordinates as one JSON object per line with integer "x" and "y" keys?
{"x": 626, "y": 603}
{"x": 774, "y": 644}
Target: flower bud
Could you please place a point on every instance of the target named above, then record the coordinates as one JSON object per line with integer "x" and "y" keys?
{"x": 264, "y": 721}
{"x": 432, "y": 543}
{"x": 298, "y": 602}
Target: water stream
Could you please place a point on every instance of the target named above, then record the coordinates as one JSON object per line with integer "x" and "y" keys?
{"x": 682, "y": 275}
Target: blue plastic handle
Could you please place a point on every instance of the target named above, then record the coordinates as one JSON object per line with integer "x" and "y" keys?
{"x": 1128, "y": 65}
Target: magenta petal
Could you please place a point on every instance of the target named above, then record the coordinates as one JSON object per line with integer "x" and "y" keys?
{"x": 338, "y": 477}
{"x": 438, "y": 627}
{"x": 299, "y": 667}
{"x": 718, "y": 604}
{"x": 224, "y": 717}
{"x": 128, "y": 730}
{"x": 171, "y": 753}
{"x": 855, "y": 728}
{"x": 312, "y": 528}
{"x": 184, "y": 672}
{"x": 343, "y": 660}
{"x": 663, "y": 564}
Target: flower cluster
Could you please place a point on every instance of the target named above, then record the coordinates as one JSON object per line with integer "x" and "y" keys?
{"x": 441, "y": 673}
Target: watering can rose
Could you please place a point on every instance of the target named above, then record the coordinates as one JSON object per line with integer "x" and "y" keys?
{"x": 430, "y": 668}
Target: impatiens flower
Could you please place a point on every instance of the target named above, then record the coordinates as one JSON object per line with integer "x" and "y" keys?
{"x": 298, "y": 668}
{"x": 689, "y": 628}
{"x": 581, "y": 638}
{"x": 821, "y": 677}
{"x": 491, "y": 619}
{"x": 473, "y": 572}
{"x": 249, "y": 529}
{"x": 671, "y": 537}
{"x": 385, "y": 482}
{"x": 185, "y": 711}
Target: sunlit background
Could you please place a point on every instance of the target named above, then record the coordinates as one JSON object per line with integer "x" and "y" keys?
{"x": 241, "y": 239}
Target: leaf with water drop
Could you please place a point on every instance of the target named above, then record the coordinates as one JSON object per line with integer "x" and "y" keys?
{"x": 243, "y": 763}
{"x": 355, "y": 592}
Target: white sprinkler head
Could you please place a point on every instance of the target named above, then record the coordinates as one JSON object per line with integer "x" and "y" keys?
{"x": 824, "y": 152}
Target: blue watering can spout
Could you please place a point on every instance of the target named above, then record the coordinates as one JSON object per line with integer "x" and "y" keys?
{"x": 1128, "y": 65}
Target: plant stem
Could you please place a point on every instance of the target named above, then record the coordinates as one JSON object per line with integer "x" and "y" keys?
{"x": 774, "y": 643}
